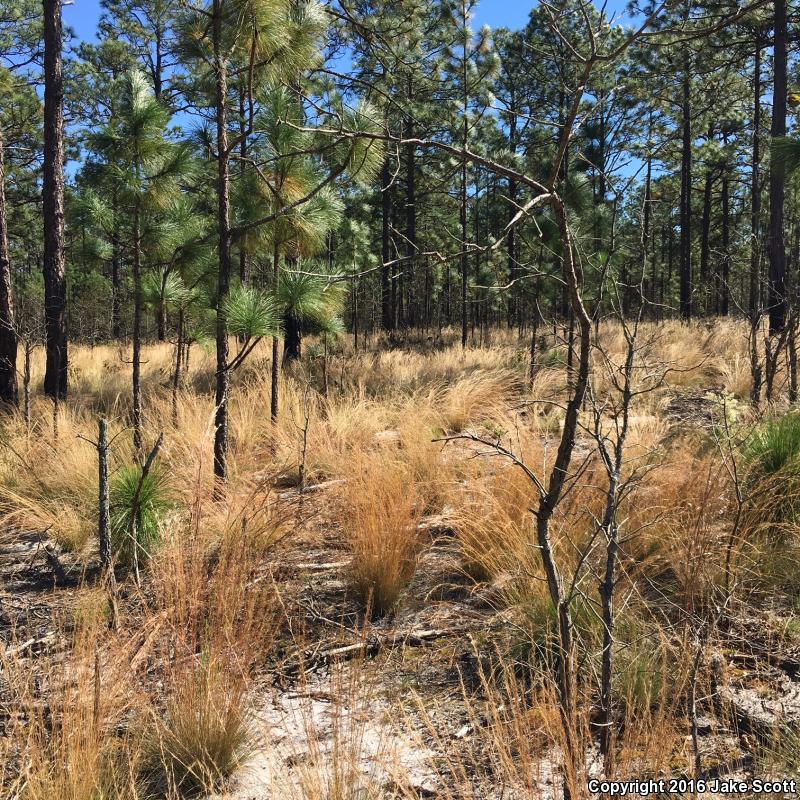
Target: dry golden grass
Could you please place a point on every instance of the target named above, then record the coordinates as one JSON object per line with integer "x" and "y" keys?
{"x": 68, "y": 747}
{"x": 478, "y": 397}
{"x": 495, "y": 528}
{"x": 204, "y": 732}
{"x": 208, "y": 591}
{"x": 380, "y": 519}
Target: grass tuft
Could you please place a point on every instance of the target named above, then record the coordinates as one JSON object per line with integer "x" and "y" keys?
{"x": 205, "y": 734}
{"x": 380, "y": 522}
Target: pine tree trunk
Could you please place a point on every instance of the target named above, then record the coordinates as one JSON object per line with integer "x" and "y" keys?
{"x": 292, "y": 339}
{"x": 354, "y": 312}
{"x": 104, "y": 516}
{"x": 792, "y": 353}
{"x": 411, "y": 207}
{"x": 387, "y": 313}
{"x": 274, "y": 373}
{"x": 754, "y": 301}
{"x": 724, "y": 288}
{"x": 686, "y": 201}
{"x": 224, "y": 245}
{"x": 26, "y": 384}
{"x": 244, "y": 270}
{"x": 161, "y": 314}
{"x": 705, "y": 232}
{"x": 777, "y": 245}
{"x": 646, "y": 213}
{"x": 514, "y": 316}
{"x": 176, "y": 375}
{"x": 55, "y": 287}
{"x": 137, "y": 331}
{"x": 116, "y": 328}
{"x": 158, "y": 61}
{"x": 8, "y": 334}
{"x": 463, "y": 245}
{"x": 463, "y": 203}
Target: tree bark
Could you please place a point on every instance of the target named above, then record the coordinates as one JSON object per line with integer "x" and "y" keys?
{"x": 550, "y": 499}
{"x": 224, "y": 247}
{"x": 292, "y": 339}
{"x": 705, "y": 230}
{"x": 777, "y": 183}
{"x": 686, "y": 200}
{"x": 463, "y": 244}
{"x": 161, "y": 314}
{"x": 514, "y": 307}
{"x": 463, "y": 204}
{"x": 8, "y": 333}
{"x": 137, "y": 331}
{"x": 104, "y": 516}
{"x": 646, "y": 214}
{"x": 387, "y": 312}
{"x": 244, "y": 271}
{"x": 612, "y": 460}
{"x": 754, "y": 302}
{"x": 276, "y": 267}
{"x": 55, "y": 286}
{"x": 116, "y": 328}
{"x": 411, "y": 210}
{"x": 176, "y": 375}
{"x": 724, "y": 290}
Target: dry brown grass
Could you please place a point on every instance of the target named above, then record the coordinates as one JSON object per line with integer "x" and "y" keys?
{"x": 66, "y": 745}
{"x": 478, "y": 397}
{"x": 495, "y": 528}
{"x": 381, "y": 514}
{"x": 209, "y": 596}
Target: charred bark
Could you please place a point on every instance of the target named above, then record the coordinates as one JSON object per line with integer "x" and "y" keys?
{"x": 55, "y": 283}
{"x": 8, "y": 334}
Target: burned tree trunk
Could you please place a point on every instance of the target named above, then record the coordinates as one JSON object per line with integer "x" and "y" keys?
{"x": 777, "y": 181}
{"x": 224, "y": 248}
{"x": 8, "y": 334}
{"x": 55, "y": 284}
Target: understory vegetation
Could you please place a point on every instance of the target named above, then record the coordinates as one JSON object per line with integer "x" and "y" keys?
{"x": 410, "y": 499}
{"x": 399, "y": 399}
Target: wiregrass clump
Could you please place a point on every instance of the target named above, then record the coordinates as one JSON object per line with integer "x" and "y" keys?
{"x": 221, "y": 617}
{"x": 205, "y": 731}
{"x": 380, "y": 521}
{"x": 772, "y": 461}
{"x": 61, "y": 738}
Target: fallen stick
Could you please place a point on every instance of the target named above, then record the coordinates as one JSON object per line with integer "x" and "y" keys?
{"x": 311, "y": 567}
{"x": 315, "y": 487}
{"x": 30, "y": 643}
{"x": 371, "y": 646}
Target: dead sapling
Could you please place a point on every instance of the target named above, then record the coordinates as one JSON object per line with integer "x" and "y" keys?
{"x": 107, "y": 576}
{"x": 301, "y": 470}
{"x": 611, "y": 418}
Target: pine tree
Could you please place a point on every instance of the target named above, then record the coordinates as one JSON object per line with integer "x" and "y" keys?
{"x": 55, "y": 298}
{"x": 777, "y": 301}
{"x": 148, "y": 29}
{"x": 147, "y": 169}
{"x": 271, "y": 42}
{"x": 301, "y": 232}
{"x": 8, "y": 333}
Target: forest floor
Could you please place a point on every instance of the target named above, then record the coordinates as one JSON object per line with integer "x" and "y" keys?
{"x": 444, "y": 695}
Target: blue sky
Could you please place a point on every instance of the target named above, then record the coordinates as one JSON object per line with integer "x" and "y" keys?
{"x": 82, "y": 15}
